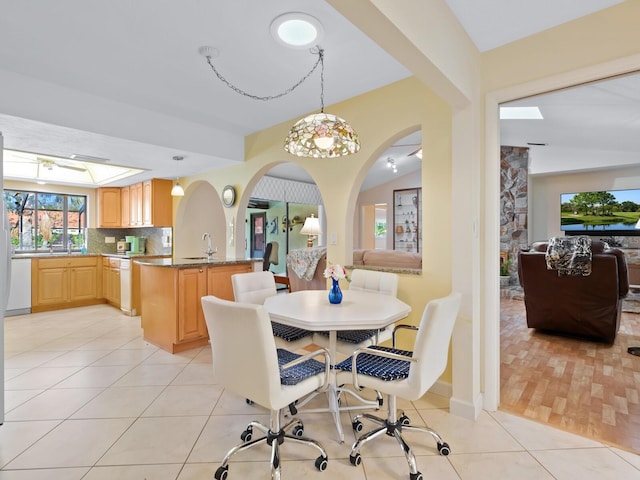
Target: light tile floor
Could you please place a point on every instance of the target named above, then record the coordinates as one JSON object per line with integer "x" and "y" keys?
{"x": 88, "y": 398}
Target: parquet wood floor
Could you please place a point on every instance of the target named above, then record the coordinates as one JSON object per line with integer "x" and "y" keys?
{"x": 588, "y": 388}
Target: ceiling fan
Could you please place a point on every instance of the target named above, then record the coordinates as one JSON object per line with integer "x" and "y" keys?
{"x": 407, "y": 151}
{"x": 49, "y": 164}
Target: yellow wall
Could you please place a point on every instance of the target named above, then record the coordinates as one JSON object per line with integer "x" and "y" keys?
{"x": 449, "y": 64}
{"x": 380, "y": 117}
{"x": 597, "y": 38}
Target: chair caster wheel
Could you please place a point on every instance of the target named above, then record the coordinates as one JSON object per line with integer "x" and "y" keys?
{"x": 298, "y": 431}
{"x": 221, "y": 473}
{"x": 444, "y": 449}
{"x": 322, "y": 463}
{"x": 249, "y": 401}
{"x": 357, "y": 426}
{"x": 355, "y": 460}
{"x": 415, "y": 476}
{"x": 247, "y": 435}
{"x": 404, "y": 420}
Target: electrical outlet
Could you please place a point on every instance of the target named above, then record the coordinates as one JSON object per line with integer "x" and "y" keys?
{"x": 333, "y": 238}
{"x": 109, "y": 239}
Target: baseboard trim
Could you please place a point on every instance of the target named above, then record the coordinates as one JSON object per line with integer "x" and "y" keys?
{"x": 465, "y": 409}
{"x": 444, "y": 389}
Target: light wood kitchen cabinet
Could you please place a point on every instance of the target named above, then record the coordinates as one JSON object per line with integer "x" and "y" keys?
{"x": 125, "y": 204}
{"x": 172, "y": 316}
{"x": 65, "y": 282}
{"x": 111, "y": 280}
{"x": 135, "y": 204}
{"x": 136, "y": 303}
{"x": 109, "y": 207}
{"x": 144, "y": 204}
{"x": 219, "y": 280}
{"x": 192, "y": 286}
{"x": 157, "y": 205}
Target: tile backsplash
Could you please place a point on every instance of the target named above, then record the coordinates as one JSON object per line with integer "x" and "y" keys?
{"x": 158, "y": 240}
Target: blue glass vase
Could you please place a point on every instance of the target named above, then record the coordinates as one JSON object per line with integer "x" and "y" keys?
{"x": 335, "y": 294}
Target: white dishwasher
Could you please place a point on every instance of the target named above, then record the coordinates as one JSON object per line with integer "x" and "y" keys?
{"x": 125, "y": 287}
{"x": 20, "y": 290}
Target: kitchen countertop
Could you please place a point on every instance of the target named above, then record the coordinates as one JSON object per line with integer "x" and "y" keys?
{"x": 137, "y": 256}
{"x": 193, "y": 262}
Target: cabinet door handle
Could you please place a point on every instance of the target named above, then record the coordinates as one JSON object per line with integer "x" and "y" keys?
{"x": 200, "y": 270}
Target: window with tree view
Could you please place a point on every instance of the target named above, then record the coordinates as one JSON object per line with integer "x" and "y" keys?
{"x": 46, "y": 222}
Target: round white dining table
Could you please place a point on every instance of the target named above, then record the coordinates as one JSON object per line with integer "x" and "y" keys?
{"x": 311, "y": 310}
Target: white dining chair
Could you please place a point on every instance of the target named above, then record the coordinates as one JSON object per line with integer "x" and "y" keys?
{"x": 255, "y": 288}
{"x": 405, "y": 374}
{"x": 347, "y": 341}
{"x": 251, "y": 366}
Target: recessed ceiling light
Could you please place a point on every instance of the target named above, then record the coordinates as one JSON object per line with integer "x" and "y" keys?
{"x": 520, "y": 113}
{"x": 297, "y": 30}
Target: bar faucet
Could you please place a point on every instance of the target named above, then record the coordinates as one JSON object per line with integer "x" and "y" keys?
{"x": 210, "y": 250}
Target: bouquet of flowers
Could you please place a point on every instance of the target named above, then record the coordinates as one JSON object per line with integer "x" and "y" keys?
{"x": 336, "y": 272}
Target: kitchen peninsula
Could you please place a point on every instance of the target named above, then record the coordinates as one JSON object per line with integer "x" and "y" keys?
{"x": 170, "y": 292}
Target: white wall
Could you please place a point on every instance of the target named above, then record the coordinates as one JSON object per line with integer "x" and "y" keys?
{"x": 545, "y": 191}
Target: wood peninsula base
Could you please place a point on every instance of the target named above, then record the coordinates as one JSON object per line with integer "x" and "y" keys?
{"x": 170, "y": 292}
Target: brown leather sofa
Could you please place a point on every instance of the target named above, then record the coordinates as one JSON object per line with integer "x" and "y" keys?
{"x": 588, "y": 306}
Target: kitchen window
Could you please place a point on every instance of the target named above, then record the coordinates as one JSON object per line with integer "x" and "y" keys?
{"x": 46, "y": 222}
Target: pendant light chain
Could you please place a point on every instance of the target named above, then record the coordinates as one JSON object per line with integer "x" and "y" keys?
{"x": 320, "y": 60}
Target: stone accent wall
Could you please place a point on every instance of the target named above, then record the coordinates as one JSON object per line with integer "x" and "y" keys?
{"x": 514, "y": 162}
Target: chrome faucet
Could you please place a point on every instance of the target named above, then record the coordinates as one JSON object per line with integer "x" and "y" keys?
{"x": 210, "y": 250}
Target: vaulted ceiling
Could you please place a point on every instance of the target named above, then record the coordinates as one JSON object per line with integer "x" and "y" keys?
{"x": 142, "y": 57}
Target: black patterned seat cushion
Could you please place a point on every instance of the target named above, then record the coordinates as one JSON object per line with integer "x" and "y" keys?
{"x": 287, "y": 333}
{"x": 354, "y": 336}
{"x": 386, "y": 369}
{"x": 297, "y": 373}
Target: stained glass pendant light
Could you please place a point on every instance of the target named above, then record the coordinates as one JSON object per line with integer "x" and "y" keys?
{"x": 322, "y": 135}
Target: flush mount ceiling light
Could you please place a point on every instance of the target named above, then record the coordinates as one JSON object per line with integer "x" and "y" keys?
{"x": 177, "y": 190}
{"x": 320, "y": 135}
{"x": 297, "y": 30}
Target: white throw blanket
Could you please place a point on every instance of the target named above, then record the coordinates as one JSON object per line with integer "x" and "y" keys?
{"x": 305, "y": 260}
